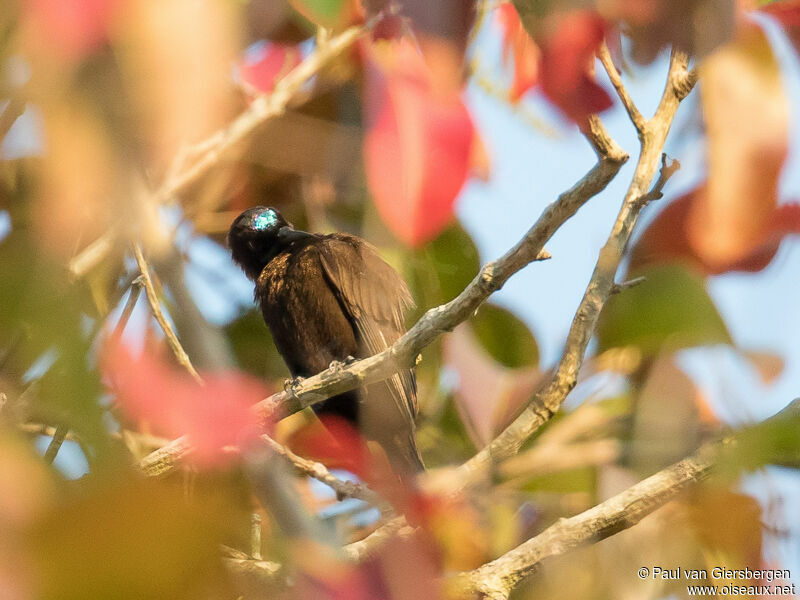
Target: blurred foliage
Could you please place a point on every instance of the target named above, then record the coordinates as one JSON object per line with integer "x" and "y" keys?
{"x": 118, "y": 89}
{"x": 505, "y": 337}
{"x": 668, "y": 311}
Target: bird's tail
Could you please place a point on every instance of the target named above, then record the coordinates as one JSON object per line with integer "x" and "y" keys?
{"x": 404, "y": 457}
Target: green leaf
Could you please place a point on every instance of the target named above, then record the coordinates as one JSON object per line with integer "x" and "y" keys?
{"x": 44, "y": 315}
{"x": 327, "y": 13}
{"x": 253, "y": 346}
{"x": 444, "y": 267}
{"x": 670, "y": 310}
{"x": 505, "y": 336}
{"x": 774, "y": 441}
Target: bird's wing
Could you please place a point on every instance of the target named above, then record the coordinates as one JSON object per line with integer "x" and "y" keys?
{"x": 375, "y": 297}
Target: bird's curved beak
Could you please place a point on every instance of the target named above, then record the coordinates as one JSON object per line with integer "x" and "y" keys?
{"x": 287, "y": 234}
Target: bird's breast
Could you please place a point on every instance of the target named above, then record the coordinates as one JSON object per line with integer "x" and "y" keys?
{"x": 308, "y": 324}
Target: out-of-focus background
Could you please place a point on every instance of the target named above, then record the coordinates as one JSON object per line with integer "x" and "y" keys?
{"x": 440, "y": 134}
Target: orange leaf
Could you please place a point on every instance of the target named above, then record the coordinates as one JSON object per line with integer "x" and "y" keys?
{"x": 418, "y": 143}
{"x": 787, "y": 13}
{"x": 520, "y": 47}
{"x": 567, "y": 59}
{"x": 666, "y": 239}
{"x": 747, "y": 119}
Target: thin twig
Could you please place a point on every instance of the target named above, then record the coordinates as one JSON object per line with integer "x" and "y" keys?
{"x": 343, "y": 489}
{"x": 608, "y": 64}
{"x": 618, "y": 288}
{"x": 10, "y": 114}
{"x": 133, "y": 298}
{"x": 155, "y": 306}
{"x": 54, "y": 446}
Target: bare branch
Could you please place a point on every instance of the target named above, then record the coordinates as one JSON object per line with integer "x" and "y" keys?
{"x": 343, "y": 489}
{"x": 601, "y": 285}
{"x": 54, "y": 446}
{"x": 155, "y": 306}
{"x": 636, "y": 117}
{"x": 498, "y": 578}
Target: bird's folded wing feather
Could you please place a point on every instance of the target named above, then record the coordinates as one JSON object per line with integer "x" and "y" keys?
{"x": 375, "y": 297}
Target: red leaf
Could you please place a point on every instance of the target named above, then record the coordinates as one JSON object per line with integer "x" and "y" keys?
{"x": 488, "y": 394}
{"x": 520, "y": 47}
{"x": 787, "y": 13}
{"x": 70, "y": 28}
{"x": 335, "y": 443}
{"x": 567, "y": 60}
{"x": 653, "y": 25}
{"x": 666, "y": 238}
{"x": 268, "y": 64}
{"x": 417, "y": 146}
{"x": 212, "y": 416}
{"x": 747, "y": 121}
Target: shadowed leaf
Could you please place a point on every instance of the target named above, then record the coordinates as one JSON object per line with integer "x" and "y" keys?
{"x": 671, "y": 309}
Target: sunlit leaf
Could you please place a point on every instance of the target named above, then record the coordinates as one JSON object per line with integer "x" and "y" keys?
{"x": 444, "y": 267}
{"x": 787, "y": 13}
{"x": 747, "y": 119}
{"x": 137, "y": 540}
{"x": 666, "y": 239}
{"x": 671, "y": 309}
{"x": 694, "y": 26}
{"x": 727, "y": 523}
{"x": 519, "y": 48}
{"x": 335, "y": 443}
{"x": 42, "y": 311}
{"x": 71, "y": 28}
{"x": 768, "y": 365}
{"x": 568, "y": 52}
{"x": 776, "y": 441}
{"x": 418, "y": 144}
{"x": 252, "y": 344}
{"x": 665, "y": 424}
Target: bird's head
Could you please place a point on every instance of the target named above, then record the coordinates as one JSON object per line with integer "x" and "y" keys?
{"x": 257, "y": 236}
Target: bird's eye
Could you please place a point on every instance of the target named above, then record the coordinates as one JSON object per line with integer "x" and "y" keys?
{"x": 265, "y": 220}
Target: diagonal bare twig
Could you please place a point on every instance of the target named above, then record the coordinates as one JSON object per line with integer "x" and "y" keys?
{"x": 158, "y": 313}
{"x": 608, "y": 64}
{"x": 343, "y": 489}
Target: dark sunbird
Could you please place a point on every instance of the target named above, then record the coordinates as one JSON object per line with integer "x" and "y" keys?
{"x": 330, "y": 298}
